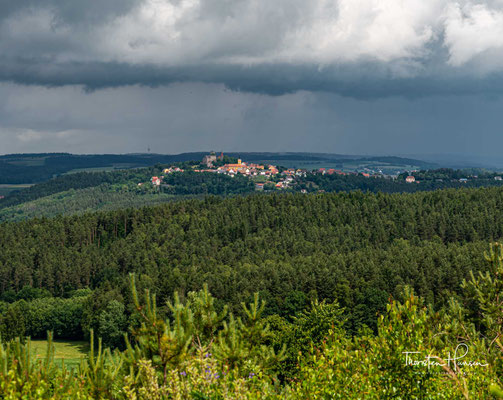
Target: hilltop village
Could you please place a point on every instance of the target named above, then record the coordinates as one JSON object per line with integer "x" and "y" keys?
{"x": 265, "y": 176}
{"x": 273, "y": 177}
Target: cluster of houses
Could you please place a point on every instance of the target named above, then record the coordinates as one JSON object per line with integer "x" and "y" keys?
{"x": 281, "y": 180}
{"x": 253, "y": 171}
{"x": 170, "y": 170}
{"x": 269, "y": 175}
{"x": 247, "y": 169}
{"x": 231, "y": 169}
{"x": 283, "y": 183}
{"x": 264, "y": 175}
{"x": 331, "y": 171}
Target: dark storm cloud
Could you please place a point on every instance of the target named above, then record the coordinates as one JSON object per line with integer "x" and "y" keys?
{"x": 354, "y": 48}
{"x": 350, "y": 81}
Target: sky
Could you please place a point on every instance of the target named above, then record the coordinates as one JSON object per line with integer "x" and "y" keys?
{"x": 387, "y": 77}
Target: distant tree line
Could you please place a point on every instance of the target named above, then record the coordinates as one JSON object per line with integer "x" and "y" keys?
{"x": 442, "y": 174}
{"x": 206, "y": 183}
{"x": 428, "y": 180}
{"x": 36, "y": 168}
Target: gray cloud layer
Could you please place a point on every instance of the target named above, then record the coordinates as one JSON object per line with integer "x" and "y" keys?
{"x": 361, "y": 48}
{"x": 200, "y": 117}
{"x": 351, "y": 81}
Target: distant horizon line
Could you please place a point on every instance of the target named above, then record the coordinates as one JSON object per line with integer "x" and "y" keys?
{"x": 453, "y": 160}
{"x": 401, "y": 155}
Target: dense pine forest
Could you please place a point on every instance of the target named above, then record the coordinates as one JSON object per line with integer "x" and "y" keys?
{"x": 358, "y": 249}
{"x": 443, "y": 178}
{"x": 325, "y": 267}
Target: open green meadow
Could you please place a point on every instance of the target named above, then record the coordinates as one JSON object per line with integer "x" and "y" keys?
{"x": 6, "y": 189}
{"x": 112, "y": 167}
{"x": 69, "y": 352}
{"x": 28, "y": 161}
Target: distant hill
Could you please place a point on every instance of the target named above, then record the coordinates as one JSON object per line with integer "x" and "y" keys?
{"x": 69, "y": 183}
{"x": 332, "y": 158}
{"x": 35, "y": 168}
{"x": 40, "y": 167}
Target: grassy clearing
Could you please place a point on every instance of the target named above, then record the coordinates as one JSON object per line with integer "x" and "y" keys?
{"x": 98, "y": 198}
{"x": 28, "y": 161}
{"x": 6, "y": 189}
{"x": 113, "y": 167}
{"x": 71, "y": 352}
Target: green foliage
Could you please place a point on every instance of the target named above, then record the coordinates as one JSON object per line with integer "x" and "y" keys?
{"x": 295, "y": 302}
{"x": 486, "y": 290}
{"x": 193, "y": 327}
{"x": 99, "y": 198}
{"x": 429, "y": 180}
{"x": 104, "y": 312}
{"x": 496, "y": 391}
{"x": 115, "y": 190}
{"x": 112, "y": 323}
{"x": 205, "y": 183}
{"x": 206, "y": 319}
{"x": 242, "y": 345}
{"x": 22, "y": 376}
{"x": 199, "y": 378}
{"x": 101, "y": 371}
{"x": 354, "y": 248}
{"x": 201, "y": 354}
{"x": 61, "y": 316}
{"x": 450, "y": 174}
{"x": 311, "y": 328}
{"x": 28, "y": 293}
{"x": 30, "y": 168}
{"x": 165, "y": 342}
{"x": 12, "y": 324}
{"x": 377, "y": 366}
{"x": 327, "y": 265}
